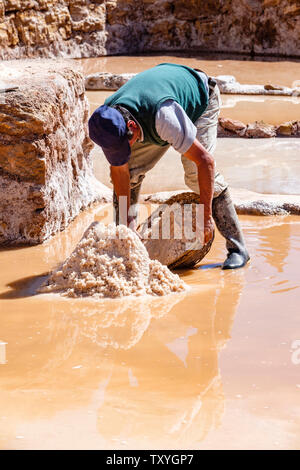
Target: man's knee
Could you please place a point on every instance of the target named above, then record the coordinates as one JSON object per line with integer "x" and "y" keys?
{"x": 220, "y": 184}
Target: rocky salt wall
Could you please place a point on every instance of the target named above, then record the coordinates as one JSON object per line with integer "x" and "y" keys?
{"x": 87, "y": 28}
{"x": 46, "y": 175}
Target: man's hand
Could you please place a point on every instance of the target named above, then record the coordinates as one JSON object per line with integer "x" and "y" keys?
{"x": 121, "y": 181}
{"x": 208, "y": 229}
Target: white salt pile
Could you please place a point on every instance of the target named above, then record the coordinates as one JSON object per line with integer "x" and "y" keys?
{"x": 111, "y": 261}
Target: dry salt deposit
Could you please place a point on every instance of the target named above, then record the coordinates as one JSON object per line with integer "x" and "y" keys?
{"x": 111, "y": 261}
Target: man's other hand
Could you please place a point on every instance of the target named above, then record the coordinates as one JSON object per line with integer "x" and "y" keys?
{"x": 208, "y": 229}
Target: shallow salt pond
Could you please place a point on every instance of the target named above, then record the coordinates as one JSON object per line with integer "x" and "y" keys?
{"x": 275, "y": 71}
{"x": 217, "y": 367}
{"x": 273, "y": 110}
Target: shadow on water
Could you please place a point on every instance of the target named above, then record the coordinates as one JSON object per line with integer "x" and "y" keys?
{"x": 187, "y": 271}
{"x": 209, "y": 266}
{"x": 24, "y": 287}
{"x": 28, "y": 286}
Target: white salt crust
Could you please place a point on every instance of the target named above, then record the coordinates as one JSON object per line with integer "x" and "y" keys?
{"x": 111, "y": 261}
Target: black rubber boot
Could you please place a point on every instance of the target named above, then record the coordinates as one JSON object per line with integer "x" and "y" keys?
{"x": 227, "y": 222}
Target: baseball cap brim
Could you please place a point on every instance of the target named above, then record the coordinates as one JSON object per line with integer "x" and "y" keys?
{"x": 108, "y": 129}
{"x": 118, "y": 156}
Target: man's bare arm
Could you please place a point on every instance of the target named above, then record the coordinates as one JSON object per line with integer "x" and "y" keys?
{"x": 121, "y": 182}
{"x": 206, "y": 174}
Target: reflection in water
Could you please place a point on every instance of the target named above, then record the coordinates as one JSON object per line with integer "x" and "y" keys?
{"x": 274, "y": 253}
{"x": 179, "y": 398}
{"x": 159, "y": 365}
{"x": 116, "y": 324}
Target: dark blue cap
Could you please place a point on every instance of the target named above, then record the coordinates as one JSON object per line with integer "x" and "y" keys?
{"x": 108, "y": 129}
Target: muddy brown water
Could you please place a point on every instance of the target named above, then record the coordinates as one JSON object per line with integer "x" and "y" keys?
{"x": 217, "y": 367}
{"x": 278, "y": 72}
{"x": 273, "y": 110}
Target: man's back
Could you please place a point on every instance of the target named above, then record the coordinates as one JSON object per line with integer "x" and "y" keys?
{"x": 144, "y": 94}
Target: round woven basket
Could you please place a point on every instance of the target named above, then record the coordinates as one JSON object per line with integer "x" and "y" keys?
{"x": 174, "y": 252}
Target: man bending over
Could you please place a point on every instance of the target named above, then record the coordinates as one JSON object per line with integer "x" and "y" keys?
{"x": 167, "y": 105}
